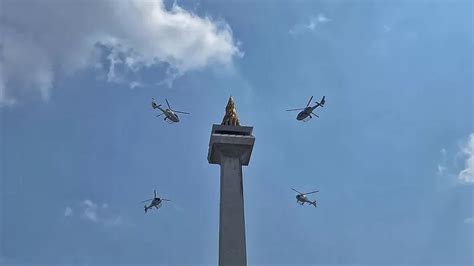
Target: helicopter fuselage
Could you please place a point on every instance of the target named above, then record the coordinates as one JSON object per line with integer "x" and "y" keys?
{"x": 154, "y": 203}
{"x": 302, "y": 199}
{"x": 170, "y": 115}
{"x": 306, "y": 112}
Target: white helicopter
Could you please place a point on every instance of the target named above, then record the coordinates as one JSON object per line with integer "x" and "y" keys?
{"x": 155, "y": 202}
{"x": 170, "y": 114}
{"x": 302, "y": 199}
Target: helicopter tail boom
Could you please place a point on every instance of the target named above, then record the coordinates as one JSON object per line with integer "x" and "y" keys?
{"x": 154, "y": 105}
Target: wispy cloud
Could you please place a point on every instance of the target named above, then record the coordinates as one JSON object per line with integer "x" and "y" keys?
{"x": 90, "y": 210}
{"x": 309, "y": 26}
{"x": 68, "y": 211}
{"x": 449, "y": 165}
{"x": 467, "y": 174}
{"x": 469, "y": 220}
{"x": 441, "y": 169}
{"x": 442, "y": 164}
{"x": 443, "y": 151}
{"x": 136, "y": 84}
{"x": 96, "y": 213}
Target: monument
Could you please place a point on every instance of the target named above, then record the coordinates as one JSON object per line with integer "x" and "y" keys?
{"x": 231, "y": 147}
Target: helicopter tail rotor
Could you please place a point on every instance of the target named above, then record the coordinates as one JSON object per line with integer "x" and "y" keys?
{"x": 154, "y": 105}
{"x": 322, "y": 102}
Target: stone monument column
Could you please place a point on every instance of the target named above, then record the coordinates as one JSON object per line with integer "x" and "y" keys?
{"x": 231, "y": 146}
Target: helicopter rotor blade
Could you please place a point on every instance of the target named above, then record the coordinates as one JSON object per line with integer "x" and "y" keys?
{"x": 167, "y": 103}
{"x": 310, "y": 192}
{"x": 309, "y": 102}
{"x": 166, "y": 199}
{"x": 315, "y": 114}
{"x": 181, "y": 112}
{"x": 297, "y": 109}
{"x": 297, "y": 191}
{"x": 145, "y": 200}
{"x": 154, "y": 192}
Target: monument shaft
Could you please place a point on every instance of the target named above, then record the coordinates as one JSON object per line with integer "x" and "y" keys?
{"x": 232, "y": 250}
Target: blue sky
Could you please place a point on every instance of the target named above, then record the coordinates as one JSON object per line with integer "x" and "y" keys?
{"x": 392, "y": 152}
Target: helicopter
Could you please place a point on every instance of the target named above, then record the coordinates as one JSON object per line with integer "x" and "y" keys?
{"x": 155, "y": 202}
{"x": 302, "y": 199}
{"x": 308, "y": 110}
{"x": 170, "y": 114}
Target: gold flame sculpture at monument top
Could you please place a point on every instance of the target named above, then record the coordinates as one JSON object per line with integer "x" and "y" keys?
{"x": 230, "y": 118}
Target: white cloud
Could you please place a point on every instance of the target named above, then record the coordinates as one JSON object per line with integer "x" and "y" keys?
{"x": 467, "y": 174}
{"x": 114, "y": 221}
{"x": 311, "y": 25}
{"x": 441, "y": 169}
{"x": 68, "y": 211}
{"x": 136, "y": 84}
{"x": 321, "y": 18}
{"x": 89, "y": 204}
{"x": 90, "y": 214}
{"x": 44, "y": 40}
{"x": 442, "y": 165}
{"x": 458, "y": 166}
{"x": 443, "y": 152}
{"x": 89, "y": 210}
{"x": 99, "y": 213}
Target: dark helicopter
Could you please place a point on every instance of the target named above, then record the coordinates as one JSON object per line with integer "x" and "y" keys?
{"x": 155, "y": 202}
{"x": 302, "y": 199}
{"x": 170, "y": 114}
{"x": 308, "y": 110}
